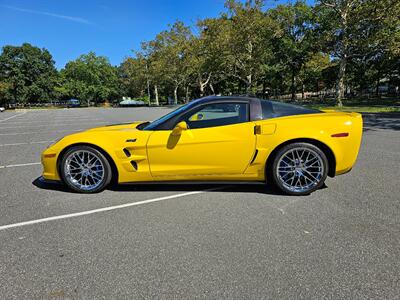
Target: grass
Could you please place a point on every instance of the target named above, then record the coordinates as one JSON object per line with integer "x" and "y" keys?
{"x": 364, "y": 109}
{"x": 363, "y": 105}
{"x": 366, "y": 105}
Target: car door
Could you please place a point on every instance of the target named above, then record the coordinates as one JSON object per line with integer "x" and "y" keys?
{"x": 219, "y": 140}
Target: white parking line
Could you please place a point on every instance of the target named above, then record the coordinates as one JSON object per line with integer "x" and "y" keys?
{"x": 36, "y": 132}
{"x": 20, "y": 165}
{"x": 14, "y": 116}
{"x": 49, "y": 122}
{"x": 109, "y": 208}
{"x": 28, "y": 143}
{"x": 54, "y": 125}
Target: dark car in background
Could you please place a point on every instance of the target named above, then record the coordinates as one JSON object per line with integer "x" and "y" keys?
{"x": 73, "y": 103}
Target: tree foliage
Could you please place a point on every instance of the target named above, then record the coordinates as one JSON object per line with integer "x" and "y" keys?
{"x": 27, "y": 74}
{"x": 293, "y": 47}
{"x": 294, "y": 43}
{"x": 91, "y": 78}
{"x": 359, "y": 31}
{"x": 349, "y": 46}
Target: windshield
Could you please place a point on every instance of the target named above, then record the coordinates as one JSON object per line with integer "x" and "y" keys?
{"x": 156, "y": 123}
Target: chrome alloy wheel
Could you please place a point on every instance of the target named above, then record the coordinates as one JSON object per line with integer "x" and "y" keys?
{"x": 84, "y": 170}
{"x": 300, "y": 169}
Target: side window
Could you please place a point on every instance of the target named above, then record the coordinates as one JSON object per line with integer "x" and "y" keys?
{"x": 218, "y": 114}
{"x": 272, "y": 109}
{"x": 267, "y": 110}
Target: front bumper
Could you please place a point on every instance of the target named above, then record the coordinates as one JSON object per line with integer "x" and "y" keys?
{"x": 49, "y": 163}
{"x": 44, "y": 180}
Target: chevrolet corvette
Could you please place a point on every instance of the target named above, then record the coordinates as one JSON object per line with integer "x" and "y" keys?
{"x": 212, "y": 139}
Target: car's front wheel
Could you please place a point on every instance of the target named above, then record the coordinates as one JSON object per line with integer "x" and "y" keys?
{"x": 299, "y": 169}
{"x": 85, "y": 169}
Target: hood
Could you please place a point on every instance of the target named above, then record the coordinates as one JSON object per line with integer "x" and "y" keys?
{"x": 118, "y": 127}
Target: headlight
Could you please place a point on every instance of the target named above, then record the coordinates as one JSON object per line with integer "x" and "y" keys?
{"x": 54, "y": 142}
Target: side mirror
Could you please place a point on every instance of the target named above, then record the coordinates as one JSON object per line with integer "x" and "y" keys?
{"x": 181, "y": 126}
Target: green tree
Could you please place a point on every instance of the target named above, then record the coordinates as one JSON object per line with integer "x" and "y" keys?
{"x": 208, "y": 53}
{"x": 169, "y": 54}
{"x": 311, "y": 75}
{"x": 133, "y": 77}
{"x": 247, "y": 45}
{"x": 358, "y": 29}
{"x": 91, "y": 78}
{"x": 4, "y": 93}
{"x": 153, "y": 67}
{"x": 293, "y": 43}
{"x": 29, "y": 73}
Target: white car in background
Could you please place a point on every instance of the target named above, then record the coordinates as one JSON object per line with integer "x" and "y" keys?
{"x": 2, "y": 109}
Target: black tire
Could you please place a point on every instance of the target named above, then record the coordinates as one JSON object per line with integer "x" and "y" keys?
{"x": 103, "y": 183}
{"x": 275, "y": 175}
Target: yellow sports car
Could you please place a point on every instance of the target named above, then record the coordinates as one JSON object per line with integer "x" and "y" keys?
{"x": 212, "y": 139}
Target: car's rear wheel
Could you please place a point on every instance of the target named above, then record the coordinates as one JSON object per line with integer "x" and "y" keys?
{"x": 85, "y": 169}
{"x": 299, "y": 168}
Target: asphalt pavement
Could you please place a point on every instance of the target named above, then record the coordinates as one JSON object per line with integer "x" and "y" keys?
{"x": 238, "y": 241}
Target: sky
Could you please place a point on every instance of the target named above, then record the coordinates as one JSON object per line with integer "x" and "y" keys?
{"x": 69, "y": 28}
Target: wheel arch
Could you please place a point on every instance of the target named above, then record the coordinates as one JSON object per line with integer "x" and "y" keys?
{"x": 324, "y": 148}
{"x": 114, "y": 170}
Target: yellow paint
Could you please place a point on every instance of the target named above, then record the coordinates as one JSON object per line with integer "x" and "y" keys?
{"x": 216, "y": 153}
{"x": 268, "y": 128}
{"x": 206, "y": 151}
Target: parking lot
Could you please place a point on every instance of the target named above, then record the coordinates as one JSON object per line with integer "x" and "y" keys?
{"x": 205, "y": 241}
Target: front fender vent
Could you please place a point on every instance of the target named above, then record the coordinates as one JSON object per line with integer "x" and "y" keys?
{"x": 127, "y": 152}
{"x": 134, "y": 164}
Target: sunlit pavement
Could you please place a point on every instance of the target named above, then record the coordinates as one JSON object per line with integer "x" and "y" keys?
{"x": 183, "y": 241}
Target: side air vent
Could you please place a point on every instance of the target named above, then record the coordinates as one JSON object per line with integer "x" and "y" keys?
{"x": 127, "y": 153}
{"x": 254, "y": 157}
{"x": 134, "y": 164}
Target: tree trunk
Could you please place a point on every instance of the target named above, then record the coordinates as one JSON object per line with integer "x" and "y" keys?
{"x": 249, "y": 83}
{"x": 344, "y": 50}
{"x": 377, "y": 87}
{"x": 148, "y": 82}
{"x": 293, "y": 87}
{"x": 264, "y": 89}
{"x": 176, "y": 95}
{"x": 187, "y": 94}
{"x": 148, "y": 91}
{"x": 302, "y": 91}
{"x": 212, "y": 88}
{"x": 340, "y": 83}
{"x": 156, "y": 94}
{"x": 201, "y": 86}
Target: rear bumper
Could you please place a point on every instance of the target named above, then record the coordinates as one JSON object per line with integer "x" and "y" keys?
{"x": 341, "y": 172}
{"x": 347, "y": 148}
